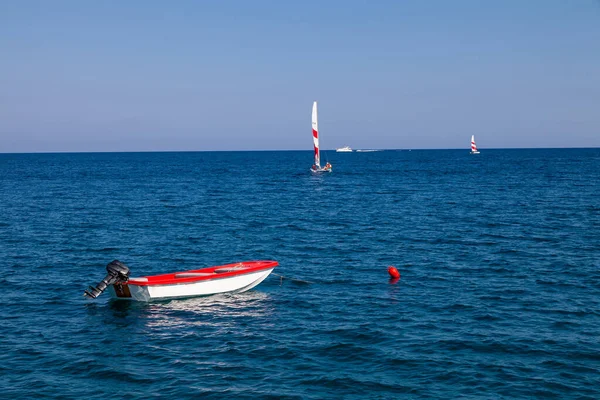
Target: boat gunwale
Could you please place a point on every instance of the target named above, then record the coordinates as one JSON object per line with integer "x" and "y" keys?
{"x": 170, "y": 279}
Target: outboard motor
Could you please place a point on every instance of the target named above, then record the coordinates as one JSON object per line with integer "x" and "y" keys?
{"x": 117, "y": 272}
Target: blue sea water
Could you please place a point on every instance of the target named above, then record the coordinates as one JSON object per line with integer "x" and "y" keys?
{"x": 499, "y": 256}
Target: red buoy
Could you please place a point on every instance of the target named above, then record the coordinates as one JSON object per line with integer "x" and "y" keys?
{"x": 393, "y": 272}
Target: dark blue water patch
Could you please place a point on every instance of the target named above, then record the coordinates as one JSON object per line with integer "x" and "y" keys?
{"x": 499, "y": 295}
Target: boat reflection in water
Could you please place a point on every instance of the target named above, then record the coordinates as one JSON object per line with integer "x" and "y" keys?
{"x": 221, "y": 310}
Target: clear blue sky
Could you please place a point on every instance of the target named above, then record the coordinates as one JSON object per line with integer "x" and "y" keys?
{"x": 242, "y": 75}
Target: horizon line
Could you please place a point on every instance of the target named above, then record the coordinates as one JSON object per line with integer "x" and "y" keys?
{"x": 273, "y": 150}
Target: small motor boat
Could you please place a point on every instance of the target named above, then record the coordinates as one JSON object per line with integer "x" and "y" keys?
{"x": 234, "y": 278}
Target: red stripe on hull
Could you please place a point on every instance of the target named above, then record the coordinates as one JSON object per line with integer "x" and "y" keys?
{"x": 242, "y": 268}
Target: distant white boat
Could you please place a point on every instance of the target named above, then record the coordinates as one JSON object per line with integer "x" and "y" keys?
{"x": 316, "y": 168}
{"x": 345, "y": 149}
{"x": 473, "y": 146}
{"x": 366, "y": 150}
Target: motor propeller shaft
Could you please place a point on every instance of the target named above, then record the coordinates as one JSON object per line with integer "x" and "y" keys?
{"x": 117, "y": 272}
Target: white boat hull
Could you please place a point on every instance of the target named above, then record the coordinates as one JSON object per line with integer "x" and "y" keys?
{"x": 234, "y": 284}
{"x": 320, "y": 170}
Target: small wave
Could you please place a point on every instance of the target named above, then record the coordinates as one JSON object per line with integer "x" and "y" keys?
{"x": 103, "y": 250}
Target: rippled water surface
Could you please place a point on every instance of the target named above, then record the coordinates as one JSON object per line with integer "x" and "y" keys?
{"x": 499, "y": 256}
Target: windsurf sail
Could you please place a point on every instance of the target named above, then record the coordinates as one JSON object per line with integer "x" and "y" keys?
{"x": 315, "y": 132}
{"x": 473, "y": 145}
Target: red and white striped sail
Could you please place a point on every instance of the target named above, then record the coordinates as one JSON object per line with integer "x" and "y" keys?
{"x": 315, "y": 132}
{"x": 473, "y": 145}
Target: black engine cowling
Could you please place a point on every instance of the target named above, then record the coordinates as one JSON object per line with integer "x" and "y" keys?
{"x": 117, "y": 272}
